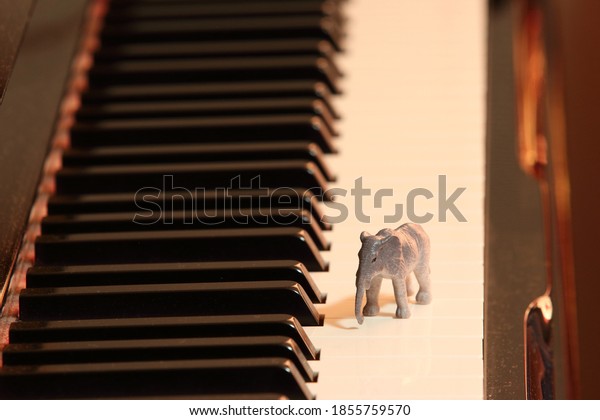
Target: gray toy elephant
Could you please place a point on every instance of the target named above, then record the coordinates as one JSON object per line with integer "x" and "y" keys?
{"x": 392, "y": 254}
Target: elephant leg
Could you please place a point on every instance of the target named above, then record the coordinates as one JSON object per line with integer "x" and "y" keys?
{"x": 372, "y": 306}
{"x": 410, "y": 287}
{"x": 422, "y": 275}
{"x": 403, "y": 311}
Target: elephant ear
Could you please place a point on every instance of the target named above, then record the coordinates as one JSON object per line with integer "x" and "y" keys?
{"x": 364, "y": 235}
{"x": 390, "y": 238}
{"x": 385, "y": 232}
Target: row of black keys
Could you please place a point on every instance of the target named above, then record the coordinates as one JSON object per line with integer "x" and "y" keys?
{"x": 239, "y": 357}
{"x": 203, "y": 92}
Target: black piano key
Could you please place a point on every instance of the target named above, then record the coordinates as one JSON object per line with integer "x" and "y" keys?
{"x": 216, "y": 69}
{"x": 186, "y": 153}
{"x": 259, "y": 396}
{"x": 185, "y": 220}
{"x": 179, "y": 50}
{"x": 267, "y": 128}
{"x": 165, "y": 327}
{"x": 106, "y": 351}
{"x": 215, "y": 29}
{"x": 236, "y": 107}
{"x": 201, "y": 299}
{"x": 131, "y": 222}
{"x": 130, "y": 3}
{"x": 136, "y": 379}
{"x": 180, "y": 246}
{"x": 204, "y": 91}
{"x": 187, "y": 177}
{"x": 231, "y": 9}
{"x": 179, "y": 108}
{"x": 280, "y": 198}
{"x": 191, "y": 272}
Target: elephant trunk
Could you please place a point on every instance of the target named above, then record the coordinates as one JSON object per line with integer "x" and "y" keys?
{"x": 360, "y": 291}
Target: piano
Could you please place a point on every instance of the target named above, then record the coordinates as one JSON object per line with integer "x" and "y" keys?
{"x": 185, "y": 182}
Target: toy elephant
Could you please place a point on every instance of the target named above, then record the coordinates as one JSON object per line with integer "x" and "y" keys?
{"x": 392, "y": 254}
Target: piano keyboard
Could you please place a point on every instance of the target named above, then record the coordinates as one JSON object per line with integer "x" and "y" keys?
{"x": 124, "y": 303}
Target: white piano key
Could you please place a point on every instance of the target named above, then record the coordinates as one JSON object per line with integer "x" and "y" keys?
{"x": 381, "y": 326}
{"x": 411, "y": 366}
{"x": 450, "y": 290}
{"x": 356, "y": 387}
{"x": 361, "y": 346}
